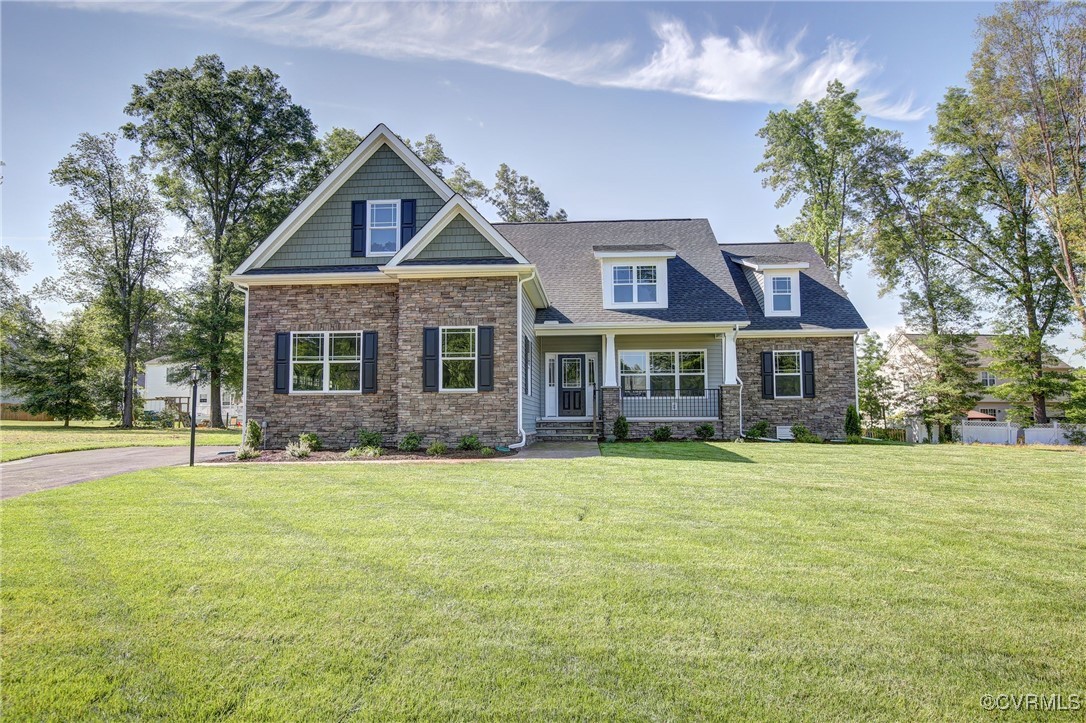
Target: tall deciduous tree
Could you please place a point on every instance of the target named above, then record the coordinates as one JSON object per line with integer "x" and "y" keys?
{"x": 875, "y": 388}
{"x": 1029, "y": 79}
{"x": 108, "y": 241}
{"x": 1009, "y": 259}
{"x": 519, "y": 198}
{"x": 231, "y": 145}
{"x": 823, "y": 153}
{"x": 1015, "y": 358}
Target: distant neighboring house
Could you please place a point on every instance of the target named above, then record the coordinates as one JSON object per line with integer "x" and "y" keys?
{"x": 385, "y": 301}
{"x": 905, "y": 358}
{"x": 158, "y": 392}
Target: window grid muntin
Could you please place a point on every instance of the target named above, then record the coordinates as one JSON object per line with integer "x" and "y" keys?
{"x": 660, "y": 373}
{"x": 383, "y": 217}
{"x": 458, "y": 358}
{"x": 783, "y": 370}
{"x": 320, "y": 366}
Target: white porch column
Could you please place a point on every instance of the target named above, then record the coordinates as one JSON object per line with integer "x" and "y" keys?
{"x": 731, "y": 362}
{"x": 610, "y": 361}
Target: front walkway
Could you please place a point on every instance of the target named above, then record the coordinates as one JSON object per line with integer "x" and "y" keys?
{"x": 59, "y": 470}
{"x": 558, "y": 450}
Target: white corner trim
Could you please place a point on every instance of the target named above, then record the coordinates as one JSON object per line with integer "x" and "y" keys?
{"x": 381, "y": 135}
{"x": 457, "y": 205}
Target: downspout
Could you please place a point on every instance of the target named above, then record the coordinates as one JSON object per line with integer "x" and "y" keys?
{"x": 520, "y": 361}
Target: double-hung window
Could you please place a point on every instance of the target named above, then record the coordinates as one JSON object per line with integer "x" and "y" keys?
{"x": 662, "y": 373}
{"x": 383, "y": 228}
{"x": 787, "y": 375}
{"x": 987, "y": 379}
{"x": 634, "y": 284}
{"x": 328, "y": 361}
{"x": 782, "y": 293}
{"x": 459, "y": 364}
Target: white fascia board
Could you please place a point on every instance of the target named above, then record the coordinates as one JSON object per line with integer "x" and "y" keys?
{"x": 701, "y": 327}
{"x": 781, "y": 266}
{"x": 343, "y": 277}
{"x": 447, "y": 271}
{"x": 634, "y": 254}
{"x": 766, "y": 333}
{"x": 457, "y": 205}
{"x": 363, "y": 152}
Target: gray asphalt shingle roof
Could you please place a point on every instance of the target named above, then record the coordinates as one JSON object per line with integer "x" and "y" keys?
{"x": 700, "y": 288}
{"x": 824, "y": 305}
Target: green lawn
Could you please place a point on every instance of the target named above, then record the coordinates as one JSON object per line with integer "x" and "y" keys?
{"x": 677, "y": 581}
{"x": 29, "y": 439}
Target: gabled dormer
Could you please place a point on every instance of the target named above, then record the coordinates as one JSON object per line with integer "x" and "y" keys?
{"x": 633, "y": 276}
{"x": 776, "y": 282}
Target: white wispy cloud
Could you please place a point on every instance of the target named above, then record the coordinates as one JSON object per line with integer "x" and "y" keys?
{"x": 534, "y": 38}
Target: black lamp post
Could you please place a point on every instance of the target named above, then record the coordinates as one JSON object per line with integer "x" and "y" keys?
{"x": 192, "y": 415}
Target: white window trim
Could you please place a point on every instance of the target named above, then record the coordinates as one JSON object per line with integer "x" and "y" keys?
{"x": 608, "y": 265}
{"x": 326, "y": 361}
{"x": 648, "y": 371}
{"x": 985, "y": 375}
{"x": 369, "y": 226}
{"x": 441, "y": 360}
{"x": 767, "y": 292}
{"x": 799, "y": 366}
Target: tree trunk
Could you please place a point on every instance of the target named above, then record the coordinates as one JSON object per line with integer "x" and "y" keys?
{"x": 128, "y": 401}
{"x": 215, "y": 398}
{"x": 1040, "y": 413}
{"x": 67, "y": 420}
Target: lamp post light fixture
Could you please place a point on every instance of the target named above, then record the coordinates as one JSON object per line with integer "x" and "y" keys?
{"x": 192, "y": 415}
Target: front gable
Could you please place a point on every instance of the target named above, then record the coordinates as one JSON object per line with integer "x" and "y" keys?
{"x": 325, "y": 238}
{"x": 459, "y": 240}
{"x": 318, "y": 233}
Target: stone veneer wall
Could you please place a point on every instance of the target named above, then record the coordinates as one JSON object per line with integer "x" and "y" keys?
{"x": 835, "y": 384}
{"x": 458, "y": 302}
{"x": 336, "y": 418}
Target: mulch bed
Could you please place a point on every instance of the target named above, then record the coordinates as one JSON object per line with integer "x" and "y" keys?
{"x": 387, "y": 455}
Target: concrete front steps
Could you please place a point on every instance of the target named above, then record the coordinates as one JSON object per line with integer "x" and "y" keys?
{"x": 562, "y": 431}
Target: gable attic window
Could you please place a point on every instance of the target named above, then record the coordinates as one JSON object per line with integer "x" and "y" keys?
{"x": 383, "y": 228}
{"x": 634, "y": 284}
{"x": 782, "y": 293}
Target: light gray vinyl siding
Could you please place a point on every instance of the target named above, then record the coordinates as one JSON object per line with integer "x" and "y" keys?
{"x": 325, "y": 238}
{"x": 755, "y": 281}
{"x": 533, "y": 404}
{"x": 714, "y": 354}
{"x": 460, "y": 240}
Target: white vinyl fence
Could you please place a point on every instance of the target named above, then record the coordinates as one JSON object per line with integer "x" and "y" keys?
{"x": 1008, "y": 433}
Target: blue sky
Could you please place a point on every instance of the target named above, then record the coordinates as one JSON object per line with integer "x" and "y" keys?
{"x": 618, "y": 110}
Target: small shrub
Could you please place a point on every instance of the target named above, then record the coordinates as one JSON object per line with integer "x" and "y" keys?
{"x": 487, "y": 452}
{"x": 469, "y": 443}
{"x": 254, "y": 436}
{"x": 759, "y": 430}
{"x": 370, "y": 439}
{"x": 298, "y": 450}
{"x": 410, "y": 442}
{"x": 661, "y": 434}
{"x": 648, "y": 439}
{"x": 854, "y": 439}
{"x": 622, "y": 429}
{"x": 1076, "y": 437}
{"x": 245, "y": 451}
{"x": 437, "y": 449}
{"x": 372, "y": 452}
{"x": 852, "y": 422}
{"x": 353, "y": 453}
{"x": 804, "y": 435}
{"x": 311, "y": 440}
{"x": 704, "y": 432}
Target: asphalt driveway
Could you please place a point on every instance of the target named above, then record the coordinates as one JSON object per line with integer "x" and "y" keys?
{"x": 65, "y": 468}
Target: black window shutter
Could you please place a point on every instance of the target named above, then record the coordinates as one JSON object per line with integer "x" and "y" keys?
{"x": 407, "y": 220}
{"x": 369, "y": 362}
{"x": 527, "y": 366}
{"x": 808, "y": 375}
{"x": 767, "y": 375}
{"x": 430, "y": 341}
{"x": 486, "y": 358}
{"x": 358, "y": 228}
{"x": 282, "y": 362}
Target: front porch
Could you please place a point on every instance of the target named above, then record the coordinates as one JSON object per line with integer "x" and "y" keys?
{"x": 674, "y": 378}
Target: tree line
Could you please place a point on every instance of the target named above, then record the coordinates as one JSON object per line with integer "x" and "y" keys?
{"x": 229, "y": 153}
{"x": 990, "y": 218}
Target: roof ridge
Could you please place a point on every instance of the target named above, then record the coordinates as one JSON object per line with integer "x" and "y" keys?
{"x": 606, "y": 220}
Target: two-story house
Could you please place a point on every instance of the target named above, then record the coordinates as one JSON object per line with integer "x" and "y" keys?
{"x": 385, "y": 301}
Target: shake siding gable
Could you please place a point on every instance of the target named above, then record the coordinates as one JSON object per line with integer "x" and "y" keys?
{"x": 325, "y": 239}
{"x": 459, "y": 240}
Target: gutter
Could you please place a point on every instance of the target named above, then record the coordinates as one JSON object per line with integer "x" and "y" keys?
{"x": 520, "y": 361}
